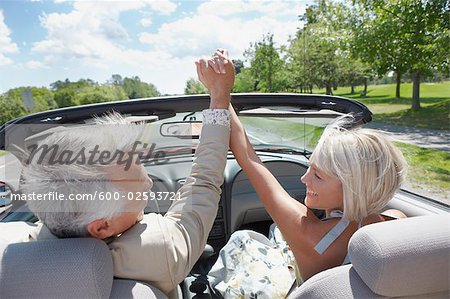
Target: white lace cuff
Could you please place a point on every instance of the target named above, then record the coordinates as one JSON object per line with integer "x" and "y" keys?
{"x": 216, "y": 117}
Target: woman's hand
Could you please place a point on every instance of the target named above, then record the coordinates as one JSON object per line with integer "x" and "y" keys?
{"x": 217, "y": 74}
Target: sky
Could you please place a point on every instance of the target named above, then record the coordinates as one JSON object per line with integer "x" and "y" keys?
{"x": 45, "y": 41}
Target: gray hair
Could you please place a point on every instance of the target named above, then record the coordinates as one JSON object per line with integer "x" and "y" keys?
{"x": 370, "y": 167}
{"x": 69, "y": 218}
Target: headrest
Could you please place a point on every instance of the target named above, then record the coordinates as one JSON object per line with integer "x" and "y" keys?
{"x": 404, "y": 257}
{"x": 61, "y": 268}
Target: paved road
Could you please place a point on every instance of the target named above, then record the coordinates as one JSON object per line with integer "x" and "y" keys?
{"x": 434, "y": 139}
{"x": 10, "y": 169}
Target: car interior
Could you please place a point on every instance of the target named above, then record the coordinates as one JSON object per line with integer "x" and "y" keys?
{"x": 408, "y": 258}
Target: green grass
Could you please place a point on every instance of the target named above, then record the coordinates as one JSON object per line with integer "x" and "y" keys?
{"x": 381, "y": 100}
{"x": 2, "y": 153}
{"x": 288, "y": 132}
{"x": 432, "y": 117}
{"x": 428, "y": 168}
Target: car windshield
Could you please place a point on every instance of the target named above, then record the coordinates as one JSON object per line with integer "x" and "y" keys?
{"x": 266, "y": 133}
{"x": 272, "y": 132}
{"x": 296, "y": 133}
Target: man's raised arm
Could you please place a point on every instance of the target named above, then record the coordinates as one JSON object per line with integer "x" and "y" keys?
{"x": 162, "y": 250}
{"x": 192, "y": 217}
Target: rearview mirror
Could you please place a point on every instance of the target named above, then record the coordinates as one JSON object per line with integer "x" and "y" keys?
{"x": 5, "y": 195}
{"x": 182, "y": 129}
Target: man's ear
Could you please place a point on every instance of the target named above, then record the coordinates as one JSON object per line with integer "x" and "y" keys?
{"x": 100, "y": 229}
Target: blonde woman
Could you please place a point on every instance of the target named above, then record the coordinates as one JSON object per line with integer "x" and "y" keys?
{"x": 353, "y": 174}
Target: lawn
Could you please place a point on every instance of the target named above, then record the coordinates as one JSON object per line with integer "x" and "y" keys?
{"x": 284, "y": 131}
{"x": 381, "y": 100}
{"x": 435, "y": 116}
{"x": 428, "y": 169}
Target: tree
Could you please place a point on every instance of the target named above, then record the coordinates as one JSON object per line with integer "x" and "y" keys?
{"x": 87, "y": 91}
{"x": 58, "y": 85}
{"x": 319, "y": 50}
{"x": 42, "y": 97}
{"x": 194, "y": 87}
{"x": 325, "y": 66}
{"x": 354, "y": 72}
{"x": 12, "y": 102}
{"x": 374, "y": 42}
{"x": 11, "y": 108}
{"x": 265, "y": 64}
{"x": 135, "y": 88}
{"x": 65, "y": 97}
{"x": 314, "y": 59}
{"x": 296, "y": 63}
{"x": 116, "y": 79}
{"x": 244, "y": 81}
{"x": 100, "y": 94}
{"x": 238, "y": 65}
{"x": 405, "y": 35}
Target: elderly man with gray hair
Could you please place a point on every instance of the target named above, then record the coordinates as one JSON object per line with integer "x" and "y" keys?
{"x": 160, "y": 250}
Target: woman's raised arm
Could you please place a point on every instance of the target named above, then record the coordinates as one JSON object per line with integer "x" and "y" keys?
{"x": 288, "y": 213}
{"x": 292, "y": 217}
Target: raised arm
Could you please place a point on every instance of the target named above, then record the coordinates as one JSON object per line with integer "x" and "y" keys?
{"x": 164, "y": 249}
{"x": 291, "y": 216}
{"x": 190, "y": 219}
{"x": 284, "y": 210}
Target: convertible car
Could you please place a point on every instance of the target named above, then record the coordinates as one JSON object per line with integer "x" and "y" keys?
{"x": 404, "y": 258}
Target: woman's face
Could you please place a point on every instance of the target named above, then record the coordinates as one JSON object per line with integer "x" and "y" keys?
{"x": 322, "y": 191}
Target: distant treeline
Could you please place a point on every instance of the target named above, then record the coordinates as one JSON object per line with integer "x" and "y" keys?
{"x": 24, "y": 100}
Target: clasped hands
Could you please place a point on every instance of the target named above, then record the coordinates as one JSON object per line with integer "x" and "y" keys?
{"x": 217, "y": 74}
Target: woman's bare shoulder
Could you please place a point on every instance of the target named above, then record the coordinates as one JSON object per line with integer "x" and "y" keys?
{"x": 387, "y": 215}
{"x": 393, "y": 214}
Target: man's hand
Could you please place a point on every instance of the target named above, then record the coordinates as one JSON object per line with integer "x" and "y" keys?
{"x": 217, "y": 74}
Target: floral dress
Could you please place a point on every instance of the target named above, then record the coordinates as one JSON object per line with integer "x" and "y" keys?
{"x": 252, "y": 266}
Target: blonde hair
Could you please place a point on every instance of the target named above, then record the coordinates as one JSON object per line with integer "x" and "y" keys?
{"x": 370, "y": 167}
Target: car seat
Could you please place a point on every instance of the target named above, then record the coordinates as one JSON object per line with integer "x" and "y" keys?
{"x": 65, "y": 268}
{"x": 406, "y": 258}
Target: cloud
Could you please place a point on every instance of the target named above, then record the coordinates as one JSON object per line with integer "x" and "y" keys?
{"x": 210, "y": 27}
{"x": 165, "y": 7}
{"x": 7, "y": 46}
{"x": 266, "y": 7}
{"x": 91, "y": 38}
{"x": 145, "y": 22}
{"x": 34, "y": 65}
{"x": 92, "y": 30}
{"x": 200, "y": 34}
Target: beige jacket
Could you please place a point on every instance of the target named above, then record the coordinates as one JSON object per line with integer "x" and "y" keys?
{"x": 161, "y": 250}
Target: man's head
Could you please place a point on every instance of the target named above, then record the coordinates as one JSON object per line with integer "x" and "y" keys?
{"x": 89, "y": 169}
